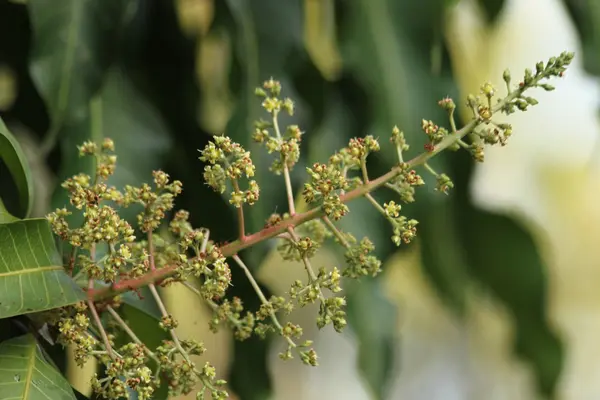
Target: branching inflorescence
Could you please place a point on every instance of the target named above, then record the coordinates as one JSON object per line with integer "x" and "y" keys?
{"x": 129, "y": 263}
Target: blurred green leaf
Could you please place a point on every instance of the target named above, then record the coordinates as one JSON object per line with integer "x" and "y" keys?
{"x": 373, "y": 319}
{"x": 254, "y": 383}
{"x": 503, "y": 256}
{"x": 442, "y": 257}
{"x": 491, "y": 8}
{"x": 31, "y": 270}
{"x": 386, "y": 44}
{"x": 141, "y": 138}
{"x": 586, "y": 18}
{"x": 26, "y": 375}
{"x": 15, "y": 42}
{"x": 73, "y": 43}
{"x": 13, "y": 158}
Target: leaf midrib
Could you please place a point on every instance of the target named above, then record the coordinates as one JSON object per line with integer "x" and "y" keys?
{"x": 31, "y": 365}
{"x": 30, "y": 271}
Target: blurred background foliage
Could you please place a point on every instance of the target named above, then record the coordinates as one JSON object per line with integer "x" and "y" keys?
{"x": 160, "y": 77}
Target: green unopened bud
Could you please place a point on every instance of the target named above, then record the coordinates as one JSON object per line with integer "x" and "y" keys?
{"x": 531, "y": 101}
{"x": 506, "y": 76}
{"x": 539, "y": 68}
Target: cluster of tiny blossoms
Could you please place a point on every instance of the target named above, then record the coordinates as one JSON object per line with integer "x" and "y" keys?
{"x": 229, "y": 161}
{"x": 286, "y": 143}
{"x": 205, "y": 268}
{"x": 127, "y": 368}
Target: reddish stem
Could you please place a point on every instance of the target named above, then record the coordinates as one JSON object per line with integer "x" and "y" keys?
{"x": 272, "y": 231}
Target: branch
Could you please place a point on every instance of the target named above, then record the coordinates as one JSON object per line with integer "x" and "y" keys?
{"x": 235, "y": 247}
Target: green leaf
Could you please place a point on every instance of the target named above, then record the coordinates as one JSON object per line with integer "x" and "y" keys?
{"x": 14, "y": 159}
{"x": 25, "y": 374}
{"x": 32, "y": 277}
{"x": 5, "y": 216}
{"x": 501, "y": 254}
{"x": 262, "y": 51}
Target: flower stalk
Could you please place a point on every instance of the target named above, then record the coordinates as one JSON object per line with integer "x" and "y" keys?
{"x": 187, "y": 253}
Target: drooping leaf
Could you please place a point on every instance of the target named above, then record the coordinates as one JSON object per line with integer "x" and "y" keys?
{"x": 141, "y": 137}
{"x": 153, "y": 36}
{"x": 386, "y": 44}
{"x": 320, "y": 37}
{"x": 32, "y": 277}
{"x": 25, "y": 374}
{"x": 13, "y": 158}
{"x": 403, "y": 88}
